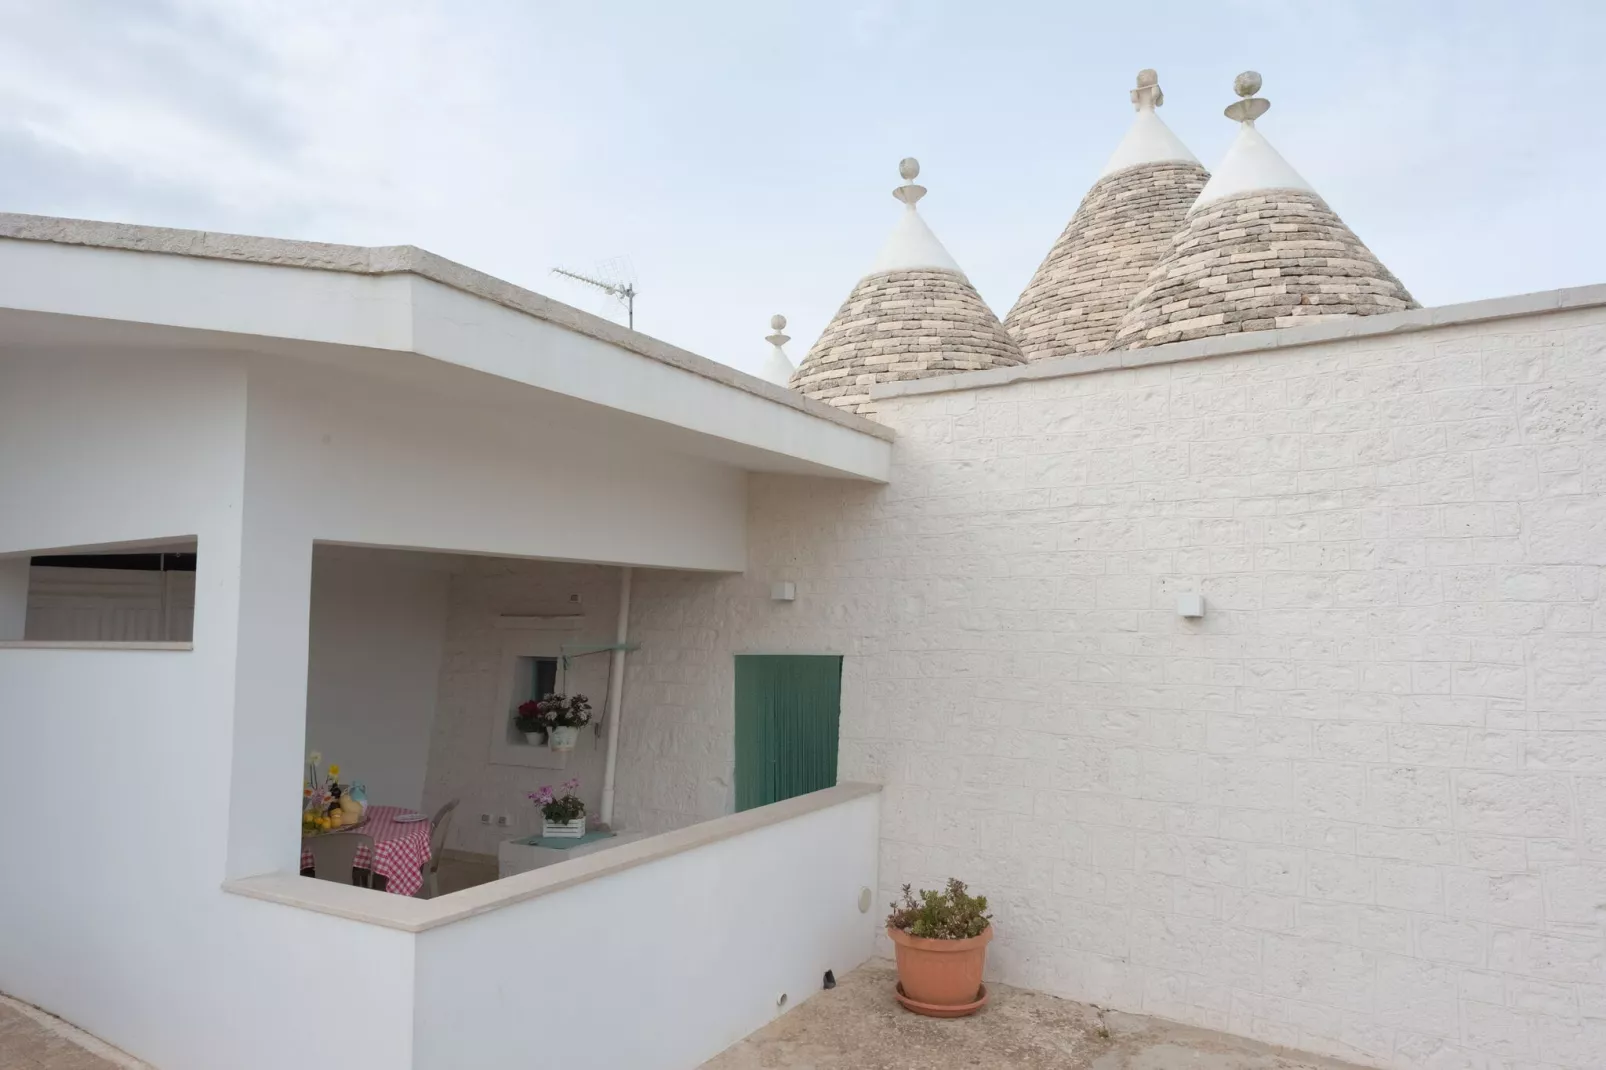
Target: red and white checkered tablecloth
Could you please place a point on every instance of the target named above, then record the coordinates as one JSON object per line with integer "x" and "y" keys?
{"x": 399, "y": 849}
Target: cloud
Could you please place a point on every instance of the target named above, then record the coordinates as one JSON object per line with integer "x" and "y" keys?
{"x": 147, "y": 95}
{"x": 45, "y": 179}
{"x": 353, "y": 119}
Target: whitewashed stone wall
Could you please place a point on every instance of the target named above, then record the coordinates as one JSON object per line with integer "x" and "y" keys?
{"x": 1359, "y": 808}
{"x": 677, "y": 733}
{"x": 470, "y": 677}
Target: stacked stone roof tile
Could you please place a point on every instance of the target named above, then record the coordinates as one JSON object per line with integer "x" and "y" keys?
{"x": 914, "y": 315}
{"x": 1157, "y": 252}
{"x": 1257, "y": 261}
{"x": 903, "y": 324}
{"x": 1258, "y": 250}
{"x": 1074, "y": 303}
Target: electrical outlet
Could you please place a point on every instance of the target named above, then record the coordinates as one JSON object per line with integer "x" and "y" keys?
{"x": 485, "y": 819}
{"x": 501, "y": 821}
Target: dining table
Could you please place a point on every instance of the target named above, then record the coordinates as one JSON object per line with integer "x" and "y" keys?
{"x": 401, "y": 848}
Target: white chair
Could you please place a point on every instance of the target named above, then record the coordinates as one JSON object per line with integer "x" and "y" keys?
{"x": 334, "y": 858}
{"x": 437, "y": 846}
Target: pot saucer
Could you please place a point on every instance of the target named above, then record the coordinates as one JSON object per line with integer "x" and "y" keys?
{"x": 934, "y": 1010}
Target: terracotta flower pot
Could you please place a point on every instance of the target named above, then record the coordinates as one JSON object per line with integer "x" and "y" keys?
{"x": 941, "y": 978}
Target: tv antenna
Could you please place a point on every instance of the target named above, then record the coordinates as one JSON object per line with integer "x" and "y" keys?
{"x": 617, "y": 281}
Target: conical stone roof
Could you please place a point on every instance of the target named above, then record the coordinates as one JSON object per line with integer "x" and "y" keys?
{"x": 1075, "y": 301}
{"x": 913, "y": 316}
{"x": 1259, "y": 249}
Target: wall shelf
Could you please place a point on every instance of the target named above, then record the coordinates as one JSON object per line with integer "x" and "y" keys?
{"x": 541, "y": 621}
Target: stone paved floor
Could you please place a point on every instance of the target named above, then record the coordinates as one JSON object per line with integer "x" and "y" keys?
{"x": 856, "y": 1026}
{"x": 33, "y": 1040}
{"x": 859, "y": 1026}
{"x": 457, "y": 873}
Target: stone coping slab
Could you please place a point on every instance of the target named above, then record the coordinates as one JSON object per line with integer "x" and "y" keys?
{"x": 420, "y": 915}
{"x": 408, "y": 259}
{"x": 1407, "y": 322}
{"x": 92, "y": 644}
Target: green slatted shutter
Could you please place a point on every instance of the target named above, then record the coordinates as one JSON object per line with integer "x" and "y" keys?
{"x": 788, "y": 709}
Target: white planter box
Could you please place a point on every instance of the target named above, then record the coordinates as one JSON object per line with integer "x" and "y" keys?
{"x": 562, "y": 738}
{"x": 563, "y": 830}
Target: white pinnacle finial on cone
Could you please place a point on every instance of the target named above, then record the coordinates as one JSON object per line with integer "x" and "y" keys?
{"x": 1148, "y": 140}
{"x": 1147, "y": 94}
{"x": 909, "y": 170}
{"x": 777, "y": 366}
{"x": 911, "y": 243}
{"x": 1251, "y": 107}
{"x": 1251, "y": 163}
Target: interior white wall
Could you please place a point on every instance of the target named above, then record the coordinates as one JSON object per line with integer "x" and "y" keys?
{"x": 670, "y": 962}
{"x": 378, "y": 625}
{"x": 115, "y": 766}
{"x": 460, "y": 762}
{"x": 1354, "y": 809}
{"x": 13, "y": 598}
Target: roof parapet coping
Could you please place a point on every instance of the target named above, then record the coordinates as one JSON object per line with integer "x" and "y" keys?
{"x": 1338, "y": 328}
{"x": 421, "y": 915}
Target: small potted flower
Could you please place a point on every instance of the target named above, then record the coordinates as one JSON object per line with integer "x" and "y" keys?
{"x": 563, "y": 816}
{"x": 941, "y": 945}
{"x": 530, "y": 721}
{"x": 560, "y": 716}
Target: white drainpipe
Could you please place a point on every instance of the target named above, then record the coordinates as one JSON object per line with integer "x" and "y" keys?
{"x": 616, "y": 687}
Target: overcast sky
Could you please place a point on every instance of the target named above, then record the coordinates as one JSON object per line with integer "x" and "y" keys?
{"x": 740, "y": 155}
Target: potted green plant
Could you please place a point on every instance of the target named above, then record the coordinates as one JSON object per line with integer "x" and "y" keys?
{"x": 562, "y": 816}
{"x": 940, "y": 940}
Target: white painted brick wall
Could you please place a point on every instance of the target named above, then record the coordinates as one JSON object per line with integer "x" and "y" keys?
{"x": 676, "y": 746}
{"x": 471, "y": 666}
{"x": 1359, "y": 808}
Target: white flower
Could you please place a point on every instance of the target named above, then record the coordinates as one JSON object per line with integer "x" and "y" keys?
{"x": 315, "y": 758}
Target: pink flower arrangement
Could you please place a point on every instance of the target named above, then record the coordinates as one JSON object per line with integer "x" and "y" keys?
{"x": 555, "y": 807}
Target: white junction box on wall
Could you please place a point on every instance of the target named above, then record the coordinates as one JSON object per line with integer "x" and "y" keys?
{"x": 1190, "y": 605}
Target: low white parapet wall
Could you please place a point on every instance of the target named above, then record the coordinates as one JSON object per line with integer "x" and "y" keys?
{"x": 655, "y": 955}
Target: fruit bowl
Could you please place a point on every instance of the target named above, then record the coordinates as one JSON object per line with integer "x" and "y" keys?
{"x": 309, "y": 831}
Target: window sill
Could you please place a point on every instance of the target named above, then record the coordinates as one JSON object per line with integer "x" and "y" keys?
{"x": 79, "y": 644}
